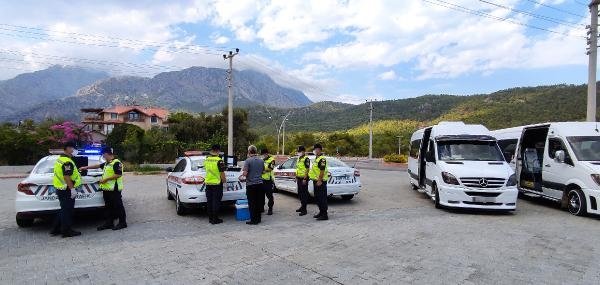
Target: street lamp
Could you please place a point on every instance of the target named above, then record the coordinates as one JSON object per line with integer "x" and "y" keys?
{"x": 282, "y": 126}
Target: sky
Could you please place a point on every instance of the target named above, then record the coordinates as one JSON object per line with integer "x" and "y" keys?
{"x": 347, "y": 51}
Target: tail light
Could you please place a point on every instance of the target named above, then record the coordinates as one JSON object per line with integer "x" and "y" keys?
{"x": 356, "y": 173}
{"x": 25, "y": 188}
{"x": 193, "y": 180}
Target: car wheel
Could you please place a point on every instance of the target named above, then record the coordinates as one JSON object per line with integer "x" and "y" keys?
{"x": 169, "y": 196}
{"x": 347, "y": 197}
{"x": 24, "y": 223}
{"x": 179, "y": 208}
{"x": 436, "y": 196}
{"x": 576, "y": 202}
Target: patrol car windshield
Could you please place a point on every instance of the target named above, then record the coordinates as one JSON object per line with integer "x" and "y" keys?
{"x": 334, "y": 162}
{"x": 586, "y": 148}
{"x": 469, "y": 150}
{"x": 197, "y": 163}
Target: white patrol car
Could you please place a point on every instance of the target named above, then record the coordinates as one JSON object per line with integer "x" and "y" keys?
{"x": 36, "y": 196}
{"x": 185, "y": 182}
{"x": 344, "y": 181}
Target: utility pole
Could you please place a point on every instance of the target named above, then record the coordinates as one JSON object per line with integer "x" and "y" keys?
{"x": 371, "y": 129}
{"x": 230, "y": 100}
{"x": 399, "y": 145}
{"x": 593, "y": 58}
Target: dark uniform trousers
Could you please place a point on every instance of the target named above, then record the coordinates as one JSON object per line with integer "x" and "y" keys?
{"x": 114, "y": 209}
{"x": 214, "y": 195}
{"x": 302, "y": 192}
{"x": 64, "y": 218}
{"x": 321, "y": 196}
{"x": 268, "y": 186}
{"x": 256, "y": 201}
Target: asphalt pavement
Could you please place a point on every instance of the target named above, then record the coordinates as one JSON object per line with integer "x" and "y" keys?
{"x": 389, "y": 234}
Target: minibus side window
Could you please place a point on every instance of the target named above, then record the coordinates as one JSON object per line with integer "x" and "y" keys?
{"x": 414, "y": 148}
{"x": 430, "y": 156}
{"x": 556, "y": 144}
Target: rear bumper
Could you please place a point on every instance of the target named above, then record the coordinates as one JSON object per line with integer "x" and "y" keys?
{"x": 456, "y": 197}
{"x": 339, "y": 190}
{"x": 30, "y": 205}
{"x": 196, "y": 197}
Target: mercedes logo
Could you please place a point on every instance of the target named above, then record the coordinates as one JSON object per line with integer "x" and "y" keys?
{"x": 483, "y": 182}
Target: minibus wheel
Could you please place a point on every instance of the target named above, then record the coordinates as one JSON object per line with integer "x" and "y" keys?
{"x": 576, "y": 202}
{"x": 436, "y": 195}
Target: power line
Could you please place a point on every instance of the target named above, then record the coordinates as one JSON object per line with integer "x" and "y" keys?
{"x": 555, "y": 8}
{"x": 579, "y": 2}
{"x": 487, "y": 15}
{"x": 542, "y": 17}
{"x": 120, "y": 71}
{"x": 147, "y": 43}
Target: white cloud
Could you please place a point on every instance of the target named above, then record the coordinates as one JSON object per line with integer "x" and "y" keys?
{"x": 388, "y": 75}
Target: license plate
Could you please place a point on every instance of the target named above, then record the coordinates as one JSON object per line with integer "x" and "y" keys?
{"x": 344, "y": 179}
{"x": 484, "y": 199}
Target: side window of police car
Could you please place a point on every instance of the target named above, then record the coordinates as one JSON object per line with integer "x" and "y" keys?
{"x": 180, "y": 167}
{"x": 556, "y": 144}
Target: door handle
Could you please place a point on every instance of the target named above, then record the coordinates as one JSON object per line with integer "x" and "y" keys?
{"x": 547, "y": 165}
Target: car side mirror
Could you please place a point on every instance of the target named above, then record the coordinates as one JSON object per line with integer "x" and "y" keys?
{"x": 169, "y": 169}
{"x": 559, "y": 156}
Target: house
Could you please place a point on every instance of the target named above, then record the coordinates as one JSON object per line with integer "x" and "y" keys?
{"x": 100, "y": 122}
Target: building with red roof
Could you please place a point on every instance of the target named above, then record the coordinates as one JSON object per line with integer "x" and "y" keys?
{"x": 102, "y": 121}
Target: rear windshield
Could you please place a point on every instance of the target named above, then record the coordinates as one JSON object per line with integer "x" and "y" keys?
{"x": 469, "y": 150}
{"x": 47, "y": 165}
{"x": 334, "y": 162}
{"x": 197, "y": 163}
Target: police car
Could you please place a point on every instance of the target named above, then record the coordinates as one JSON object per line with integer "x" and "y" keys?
{"x": 36, "y": 197}
{"x": 344, "y": 181}
{"x": 185, "y": 182}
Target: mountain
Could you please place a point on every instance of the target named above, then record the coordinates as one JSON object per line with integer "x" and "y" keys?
{"x": 501, "y": 109}
{"x": 195, "y": 89}
{"x": 31, "y": 89}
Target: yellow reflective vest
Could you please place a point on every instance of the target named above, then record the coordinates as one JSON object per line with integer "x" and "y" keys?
{"x": 301, "y": 168}
{"x": 58, "y": 181}
{"x": 269, "y": 165}
{"x": 213, "y": 171}
{"x": 315, "y": 170}
{"x": 109, "y": 171}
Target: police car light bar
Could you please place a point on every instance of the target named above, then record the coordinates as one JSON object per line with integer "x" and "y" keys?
{"x": 56, "y": 151}
{"x": 91, "y": 151}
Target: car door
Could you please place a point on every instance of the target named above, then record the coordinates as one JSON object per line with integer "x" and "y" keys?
{"x": 285, "y": 175}
{"x": 174, "y": 180}
{"x": 555, "y": 173}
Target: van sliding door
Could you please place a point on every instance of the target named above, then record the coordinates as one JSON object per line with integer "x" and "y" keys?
{"x": 422, "y": 152}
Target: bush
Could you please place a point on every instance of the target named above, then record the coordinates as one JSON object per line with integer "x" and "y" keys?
{"x": 398, "y": 158}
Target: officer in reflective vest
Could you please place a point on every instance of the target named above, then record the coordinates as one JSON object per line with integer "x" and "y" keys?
{"x": 268, "y": 178}
{"x": 319, "y": 174}
{"x": 215, "y": 182}
{"x": 302, "y": 167}
{"x": 112, "y": 186}
{"x": 66, "y": 179}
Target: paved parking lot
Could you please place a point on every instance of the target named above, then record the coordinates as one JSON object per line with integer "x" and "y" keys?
{"x": 388, "y": 235}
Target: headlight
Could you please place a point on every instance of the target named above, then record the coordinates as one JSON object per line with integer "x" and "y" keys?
{"x": 512, "y": 180}
{"x": 596, "y": 178}
{"x": 449, "y": 178}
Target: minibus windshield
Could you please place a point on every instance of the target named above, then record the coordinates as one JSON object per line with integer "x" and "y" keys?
{"x": 469, "y": 150}
{"x": 586, "y": 148}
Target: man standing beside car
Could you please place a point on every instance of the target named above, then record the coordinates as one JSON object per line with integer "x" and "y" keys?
{"x": 252, "y": 172}
{"x": 267, "y": 178}
{"x": 66, "y": 179}
{"x": 112, "y": 186}
{"x": 215, "y": 179}
{"x": 302, "y": 167}
{"x": 319, "y": 176}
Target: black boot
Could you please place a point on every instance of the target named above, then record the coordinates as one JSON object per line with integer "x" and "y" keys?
{"x": 299, "y": 210}
{"x": 323, "y": 217}
{"x": 119, "y": 226}
{"x": 317, "y": 215}
{"x": 216, "y": 220}
{"x": 70, "y": 233}
{"x": 270, "y": 212}
{"x": 105, "y": 226}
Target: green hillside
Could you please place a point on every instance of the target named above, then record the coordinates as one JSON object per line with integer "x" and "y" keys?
{"x": 506, "y": 108}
